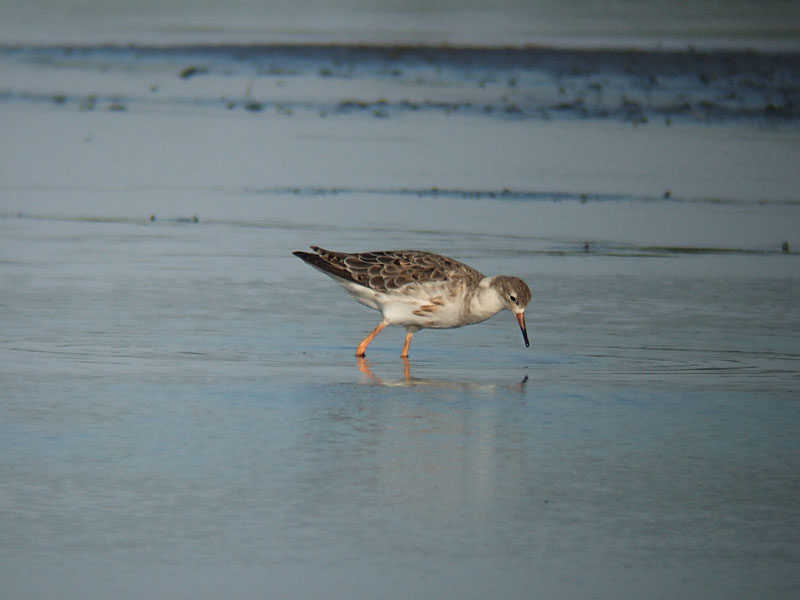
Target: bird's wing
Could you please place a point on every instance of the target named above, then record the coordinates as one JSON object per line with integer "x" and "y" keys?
{"x": 388, "y": 270}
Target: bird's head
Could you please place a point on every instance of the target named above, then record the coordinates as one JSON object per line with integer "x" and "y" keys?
{"x": 515, "y": 295}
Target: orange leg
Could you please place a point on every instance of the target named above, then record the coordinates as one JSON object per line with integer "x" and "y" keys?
{"x": 362, "y": 347}
{"x": 404, "y": 354}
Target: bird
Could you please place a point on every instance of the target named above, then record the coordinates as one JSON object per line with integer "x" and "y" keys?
{"x": 418, "y": 290}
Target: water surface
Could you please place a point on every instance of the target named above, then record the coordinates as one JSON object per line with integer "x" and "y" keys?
{"x": 181, "y": 413}
{"x": 183, "y": 416}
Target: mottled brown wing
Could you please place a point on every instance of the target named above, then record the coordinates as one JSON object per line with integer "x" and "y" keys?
{"x": 387, "y": 270}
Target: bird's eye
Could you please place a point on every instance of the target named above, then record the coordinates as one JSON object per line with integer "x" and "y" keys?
{"x": 513, "y": 298}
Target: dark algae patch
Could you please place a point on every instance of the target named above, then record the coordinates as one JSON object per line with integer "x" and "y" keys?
{"x": 631, "y": 85}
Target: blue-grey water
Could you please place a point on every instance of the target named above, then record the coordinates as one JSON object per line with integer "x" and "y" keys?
{"x": 181, "y": 411}
{"x": 183, "y": 416}
{"x": 651, "y": 23}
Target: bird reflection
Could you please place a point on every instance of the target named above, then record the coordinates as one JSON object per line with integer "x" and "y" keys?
{"x": 407, "y": 380}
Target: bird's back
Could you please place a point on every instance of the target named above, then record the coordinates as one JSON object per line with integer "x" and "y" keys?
{"x": 390, "y": 270}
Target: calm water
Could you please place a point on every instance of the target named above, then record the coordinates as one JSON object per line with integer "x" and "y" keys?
{"x": 181, "y": 413}
{"x": 182, "y": 416}
{"x": 651, "y": 23}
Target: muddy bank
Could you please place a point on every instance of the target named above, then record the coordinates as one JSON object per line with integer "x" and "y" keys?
{"x": 383, "y": 81}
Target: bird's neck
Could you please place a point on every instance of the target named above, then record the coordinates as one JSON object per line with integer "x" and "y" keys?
{"x": 485, "y": 302}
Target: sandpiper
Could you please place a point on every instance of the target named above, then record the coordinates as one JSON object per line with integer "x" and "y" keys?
{"x": 419, "y": 290}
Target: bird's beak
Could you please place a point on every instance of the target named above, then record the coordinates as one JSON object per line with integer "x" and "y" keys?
{"x": 521, "y": 318}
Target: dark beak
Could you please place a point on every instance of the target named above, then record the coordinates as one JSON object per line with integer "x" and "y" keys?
{"x": 521, "y": 319}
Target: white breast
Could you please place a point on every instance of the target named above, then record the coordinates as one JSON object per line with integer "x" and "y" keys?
{"x": 434, "y": 305}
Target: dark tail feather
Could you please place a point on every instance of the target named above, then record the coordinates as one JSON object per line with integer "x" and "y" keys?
{"x": 323, "y": 264}
{"x": 305, "y": 256}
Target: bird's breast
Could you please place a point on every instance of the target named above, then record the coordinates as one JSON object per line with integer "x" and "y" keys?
{"x": 425, "y": 306}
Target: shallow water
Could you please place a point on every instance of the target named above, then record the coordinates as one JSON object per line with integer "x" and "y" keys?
{"x": 385, "y": 81}
{"x": 183, "y": 416}
{"x": 650, "y": 23}
{"x": 181, "y": 413}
